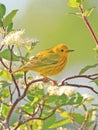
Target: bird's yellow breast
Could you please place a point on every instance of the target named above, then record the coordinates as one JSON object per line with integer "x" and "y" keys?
{"x": 53, "y": 69}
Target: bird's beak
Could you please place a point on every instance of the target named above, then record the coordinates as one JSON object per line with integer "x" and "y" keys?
{"x": 71, "y": 50}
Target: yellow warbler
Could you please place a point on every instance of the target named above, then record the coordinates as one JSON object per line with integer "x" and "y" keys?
{"x": 48, "y": 62}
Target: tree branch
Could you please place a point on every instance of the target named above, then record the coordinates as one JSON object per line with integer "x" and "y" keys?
{"x": 3, "y": 63}
{"x": 20, "y": 98}
{"x": 16, "y": 85}
{"x": 82, "y": 86}
{"x": 88, "y": 25}
{"x": 90, "y": 77}
{"x": 34, "y": 118}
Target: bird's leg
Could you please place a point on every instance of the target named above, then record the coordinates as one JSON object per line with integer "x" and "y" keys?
{"x": 47, "y": 79}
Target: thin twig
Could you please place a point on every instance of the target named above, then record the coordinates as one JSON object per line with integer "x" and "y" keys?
{"x": 73, "y": 123}
{"x": 10, "y": 70}
{"x": 11, "y": 57}
{"x": 11, "y": 93}
{"x": 11, "y": 97}
{"x": 35, "y": 118}
{"x": 82, "y": 86}
{"x": 85, "y": 120}
{"x": 88, "y": 25}
{"x": 1, "y": 47}
{"x": 3, "y": 63}
{"x": 20, "y": 115}
{"x": 25, "y": 79}
{"x": 42, "y": 107}
{"x": 34, "y": 81}
{"x": 91, "y": 77}
{"x": 16, "y": 85}
{"x": 34, "y": 112}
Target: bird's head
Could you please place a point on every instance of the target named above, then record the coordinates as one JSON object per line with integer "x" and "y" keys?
{"x": 62, "y": 50}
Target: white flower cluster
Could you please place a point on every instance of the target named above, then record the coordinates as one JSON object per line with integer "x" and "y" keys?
{"x": 87, "y": 97}
{"x": 55, "y": 90}
{"x": 39, "y": 85}
{"x": 13, "y": 37}
{"x": 16, "y": 38}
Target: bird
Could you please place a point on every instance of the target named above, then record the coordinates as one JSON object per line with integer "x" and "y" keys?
{"x": 48, "y": 62}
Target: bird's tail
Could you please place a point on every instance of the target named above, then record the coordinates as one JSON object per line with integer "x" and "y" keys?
{"x": 21, "y": 69}
{"x": 16, "y": 71}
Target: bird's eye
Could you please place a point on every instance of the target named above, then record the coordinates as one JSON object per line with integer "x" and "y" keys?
{"x": 62, "y": 50}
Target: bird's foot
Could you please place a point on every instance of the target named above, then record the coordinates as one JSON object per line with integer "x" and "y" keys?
{"x": 53, "y": 82}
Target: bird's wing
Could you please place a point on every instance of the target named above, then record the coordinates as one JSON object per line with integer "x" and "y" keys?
{"x": 44, "y": 59}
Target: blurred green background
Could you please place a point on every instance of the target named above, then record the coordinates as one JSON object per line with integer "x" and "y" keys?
{"x": 50, "y": 22}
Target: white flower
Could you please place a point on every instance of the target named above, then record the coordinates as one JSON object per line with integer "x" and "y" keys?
{"x": 87, "y": 97}
{"x": 39, "y": 85}
{"x": 55, "y": 90}
{"x": 69, "y": 91}
{"x": 13, "y": 37}
{"x": 16, "y": 38}
{"x": 52, "y": 90}
{"x": 60, "y": 90}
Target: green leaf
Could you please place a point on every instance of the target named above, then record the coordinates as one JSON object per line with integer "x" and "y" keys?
{"x": 51, "y": 99}
{"x": 10, "y": 27}
{"x": 9, "y": 18}
{"x": 50, "y": 121}
{"x": 87, "y": 68}
{"x": 18, "y": 75}
{"x": 27, "y": 107}
{"x": 79, "y": 98}
{"x": 4, "y": 93}
{"x": 4, "y": 84}
{"x": 5, "y": 75}
{"x": 88, "y": 12}
{"x": 61, "y": 123}
{"x": 22, "y": 127}
{"x": 63, "y": 99}
{"x": 35, "y": 92}
{"x": 58, "y": 100}
{"x": 78, "y": 117}
{"x": 75, "y": 3}
{"x": 6, "y": 54}
{"x": 96, "y": 105}
{"x": 5, "y": 110}
{"x": 95, "y": 81}
{"x": 64, "y": 114}
{"x": 30, "y": 96}
{"x": 71, "y": 101}
{"x": 76, "y": 14}
{"x": 2, "y": 10}
{"x": 48, "y": 107}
